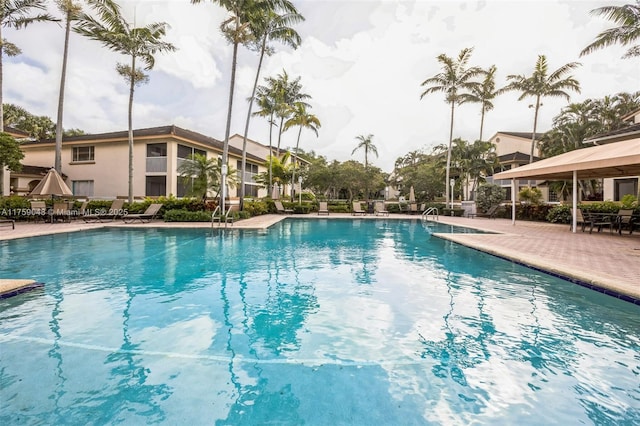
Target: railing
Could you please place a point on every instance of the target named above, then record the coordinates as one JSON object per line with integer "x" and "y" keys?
{"x": 156, "y": 164}
{"x": 226, "y": 217}
{"x": 430, "y": 211}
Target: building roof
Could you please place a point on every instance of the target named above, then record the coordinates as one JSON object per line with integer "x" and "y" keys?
{"x": 516, "y": 157}
{"x": 625, "y": 133}
{"x": 28, "y": 170}
{"x": 524, "y": 135}
{"x": 16, "y": 133}
{"x": 151, "y": 132}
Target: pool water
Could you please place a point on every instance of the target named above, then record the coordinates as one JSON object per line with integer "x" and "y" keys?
{"x": 317, "y": 322}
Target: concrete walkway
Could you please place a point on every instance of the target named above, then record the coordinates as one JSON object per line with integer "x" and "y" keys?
{"x": 604, "y": 260}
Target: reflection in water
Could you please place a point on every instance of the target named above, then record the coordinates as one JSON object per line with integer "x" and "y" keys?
{"x": 328, "y": 322}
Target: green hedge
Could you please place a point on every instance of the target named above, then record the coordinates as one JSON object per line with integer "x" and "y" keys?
{"x": 179, "y": 215}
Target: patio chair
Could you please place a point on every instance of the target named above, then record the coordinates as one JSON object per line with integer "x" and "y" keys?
{"x": 8, "y": 222}
{"x": 114, "y": 212}
{"x": 601, "y": 220}
{"x": 624, "y": 219}
{"x": 149, "y": 214}
{"x": 324, "y": 208}
{"x": 581, "y": 220}
{"x": 357, "y": 209}
{"x": 490, "y": 213}
{"x": 280, "y": 208}
{"x": 413, "y": 208}
{"x": 38, "y": 211}
{"x": 379, "y": 209}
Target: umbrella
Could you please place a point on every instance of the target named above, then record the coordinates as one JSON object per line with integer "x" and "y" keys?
{"x": 52, "y": 184}
{"x": 412, "y": 195}
{"x": 275, "y": 193}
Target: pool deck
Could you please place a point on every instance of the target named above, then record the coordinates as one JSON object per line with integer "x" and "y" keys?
{"x": 603, "y": 260}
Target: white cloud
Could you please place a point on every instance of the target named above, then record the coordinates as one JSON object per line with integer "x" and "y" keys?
{"x": 361, "y": 61}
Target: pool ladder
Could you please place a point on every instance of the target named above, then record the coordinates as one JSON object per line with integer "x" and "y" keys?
{"x": 430, "y": 211}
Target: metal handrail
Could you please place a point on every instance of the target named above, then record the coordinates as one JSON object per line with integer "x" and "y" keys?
{"x": 430, "y": 210}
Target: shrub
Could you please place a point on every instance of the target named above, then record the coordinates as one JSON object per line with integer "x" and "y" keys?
{"x": 180, "y": 215}
{"x": 489, "y": 195}
{"x": 257, "y": 208}
{"x": 629, "y": 201}
{"x": 531, "y": 196}
{"x": 559, "y": 214}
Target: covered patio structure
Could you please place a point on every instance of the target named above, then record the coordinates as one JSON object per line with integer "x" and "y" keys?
{"x": 617, "y": 159}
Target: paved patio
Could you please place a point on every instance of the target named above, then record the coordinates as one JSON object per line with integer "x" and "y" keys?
{"x": 604, "y": 260}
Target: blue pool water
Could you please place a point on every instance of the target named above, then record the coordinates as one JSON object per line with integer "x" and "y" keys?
{"x": 320, "y": 322}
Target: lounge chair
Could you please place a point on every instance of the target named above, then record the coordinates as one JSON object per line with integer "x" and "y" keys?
{"x": 8, "y": 222}
{"x": 324, "y": 208}
{"x": 149, "y": 214}
{"x": 581, "y": 221}
{"x": 114, "y": 212}
{"x": 413, "y": 208}
{"x": 38, "y": 211}
{"x": 61, "y": 212}
{"x": 379, "y": 209}
{"x": 357, "y": 209}
{"x": 280, "y": 208}
{"x": 490, "y": 213}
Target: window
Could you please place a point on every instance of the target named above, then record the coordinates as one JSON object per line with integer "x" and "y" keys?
{"x": 624, "y": 187}
{"x": 156, "y": 186}
{"x": 83, "y": 153}
{"x": 183, "y": 187}
{"x": 250, "y": 190}
{"x": 82, "y": 188}
{"x": 187, "y": 151}
{"x": 157, "y": 150}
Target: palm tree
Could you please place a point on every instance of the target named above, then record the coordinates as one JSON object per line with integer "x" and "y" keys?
{"x": 269, "y": 25}
{"x": 113, "y": 31}
{"x": 71, "y": 10}
{"x": 236, "y": 29}
{"x": 17, "y": 14}
{"x": 543, "y": 84}
{"x": 201, "y": 174}
{"x": 484, "y": 94}
{"x": 367, "y": 145}
{"x": 267, "y": 109}
{"x": 628, "y": 32}
{"x": 286, "y": 93}
{"x": 303, "y": 119}
{"x": 454, "y": 78}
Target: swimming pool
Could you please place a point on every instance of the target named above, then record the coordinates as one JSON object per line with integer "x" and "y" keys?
{"x": 321, "y": 322}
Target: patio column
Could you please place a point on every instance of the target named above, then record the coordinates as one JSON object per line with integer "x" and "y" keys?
{"x": 574, "y": 211}
{"x": 513, "y": 202}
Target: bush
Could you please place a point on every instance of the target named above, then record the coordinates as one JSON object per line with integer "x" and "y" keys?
{"x": 448, "y": 212}
{"x": 257, "y": 208}
{"x": 179, "y": 215}
{"x": 559, "y": 214}
{"x": 489, "y": 195}
{"x": 531, "y": 196}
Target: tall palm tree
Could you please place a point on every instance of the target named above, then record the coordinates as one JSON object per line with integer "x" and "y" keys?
{"x": 367, "y": 145}
{"x": 269, "y": 25}
{"x": 267, "y": 109}
{"x": 303, "y": 119}
{"x": 17, "y": 14}
{"x": 286, "y": 93}
{"x": 112, "y": 30}
{"x": 484, "y": 94}
{"x": 455, "y": 80}
{"x": 236, "y": 29}
{"x": 628, "y": 31}
{"x": 71, "y": 10}
{"x": 542, "y": 84}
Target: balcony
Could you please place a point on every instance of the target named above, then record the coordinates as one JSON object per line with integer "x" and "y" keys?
{"x": 156, "y": 164}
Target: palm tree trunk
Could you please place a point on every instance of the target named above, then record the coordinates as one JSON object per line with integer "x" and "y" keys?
{"x": 270, "y": 189}
{"x": 58, "y": 155}
{"x": 225, "y": 149}
{"x": 535, "y": 126}
{"x": 293, "y": 171}
{"x": 481, "y": 122}
{"x": 246, "y": 126}
{"x": 448, "y": 173}
{"x": 279, "y": 136}
{"x": 1, "y": 113}
{"x": 131, "y": 90}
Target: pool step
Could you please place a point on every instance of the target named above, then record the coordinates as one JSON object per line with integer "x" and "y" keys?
{"x": 12, "y": 287}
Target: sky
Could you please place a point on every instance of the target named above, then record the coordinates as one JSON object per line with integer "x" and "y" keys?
{"x": 361, "y": 61}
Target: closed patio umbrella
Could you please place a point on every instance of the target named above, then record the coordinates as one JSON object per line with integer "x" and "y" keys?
{"x": 275, "y": 193}
{"x": 412, "y": 195}
{"x": 52, "y": 184}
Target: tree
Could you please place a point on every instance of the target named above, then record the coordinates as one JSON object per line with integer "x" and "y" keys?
{"x": 366, "y": 144}
{"x": 454, "y": 79}
{"x": 542, "y": 84}
{"x": 302, "y": 119}
{"x": 202, "y": 175}
{"x": 236, "y": 29}
{"x": 17, "y": 14}
{"x": 38, "y": 127}
{"x": 71, "y": 10}
{"x": 484, "y": 94}
{"x": 114, "y": 32}
{"x": 269, "y": 25}
{"x": 10, "y": 155}
{"x": 627, "y": 33}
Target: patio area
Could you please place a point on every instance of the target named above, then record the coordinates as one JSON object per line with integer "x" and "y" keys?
{"x": 604, "y": 260}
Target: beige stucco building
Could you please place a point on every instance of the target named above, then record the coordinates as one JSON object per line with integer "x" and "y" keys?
{"x": 97, "y": 165}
